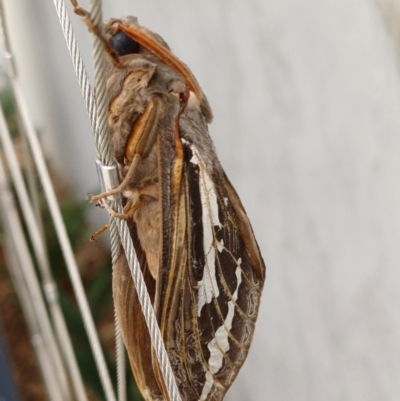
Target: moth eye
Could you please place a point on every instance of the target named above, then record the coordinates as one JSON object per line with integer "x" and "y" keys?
{"x": 123, "y": 44}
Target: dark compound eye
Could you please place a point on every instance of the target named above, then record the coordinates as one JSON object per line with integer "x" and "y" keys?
{"x": 123, "y": 44}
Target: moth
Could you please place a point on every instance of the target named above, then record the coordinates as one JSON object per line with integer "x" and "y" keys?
{"x": 196, "y": 248}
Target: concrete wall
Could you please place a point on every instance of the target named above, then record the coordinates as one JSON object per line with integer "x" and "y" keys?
{"x": 306, "y": 97}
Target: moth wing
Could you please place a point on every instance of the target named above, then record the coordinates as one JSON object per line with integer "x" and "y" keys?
{"x": 210, "y": 282}
{"x": 131, "y": 319}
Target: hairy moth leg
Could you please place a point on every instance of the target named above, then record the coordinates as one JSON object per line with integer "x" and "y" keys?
{"x": 99, "y": 232}
{"x": 125, "y": 182}
{"x": 129, "y": 210}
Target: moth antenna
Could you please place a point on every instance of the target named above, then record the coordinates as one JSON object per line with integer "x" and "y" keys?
{"x": 87, "y": 19}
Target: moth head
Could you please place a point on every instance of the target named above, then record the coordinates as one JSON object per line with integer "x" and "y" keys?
{"x": 124, "y": 44}
{"x": 127, "y": 37}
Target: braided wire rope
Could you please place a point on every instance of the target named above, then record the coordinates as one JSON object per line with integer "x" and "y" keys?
{"x": 104, "y": 154}
{"x": 102, "y": 142}
{"x": 77, "y": 62}
{"x": 121, "y": 224}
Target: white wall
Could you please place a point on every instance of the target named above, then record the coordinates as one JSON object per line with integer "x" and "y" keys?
{"x": 306, "y": 97}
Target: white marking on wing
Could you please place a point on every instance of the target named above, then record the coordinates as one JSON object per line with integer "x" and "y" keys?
{"x": 208, "y": 286}
{"x": 220, "y": 344}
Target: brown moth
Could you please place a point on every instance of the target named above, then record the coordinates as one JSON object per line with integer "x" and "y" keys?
{"x": 196, "y": 248}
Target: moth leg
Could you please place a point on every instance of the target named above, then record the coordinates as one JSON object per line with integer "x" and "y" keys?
{"x": 79, "y": 10}
{"x": 129, "y": 209}
{"x": 87, "y": 19}
{"x": 99, "y": 232}
{"x": 133, "y": 207}
{"x": 122, "y": 185}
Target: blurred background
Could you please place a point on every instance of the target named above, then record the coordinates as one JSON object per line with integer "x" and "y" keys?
{"x": 306, "y": 98}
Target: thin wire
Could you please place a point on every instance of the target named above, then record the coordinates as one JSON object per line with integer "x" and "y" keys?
{"x": 64, "y": 241}
{"x": 105, "y": 156}
{"x": 28, "y": 310}
{"x": 49, "y": 286}
{"x": 65, "y": 244}
{"x": 77, "y": 62}
{"x": 119, "y": 344}
{"x": 30, "y": 217}
{"x": 6, "y": 43}
{"x": 30, "y": 171}
{"x": 36, "y": 235}
{"x": 63, "y": 238}
{"x": 102, "y": 142}
{"x": 120, "y": 361}
{"x": 32, "y": 299}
